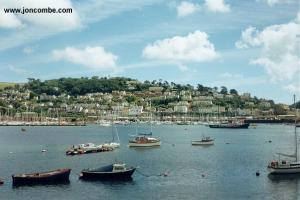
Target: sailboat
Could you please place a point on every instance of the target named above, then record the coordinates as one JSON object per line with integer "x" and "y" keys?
{"x": 144, "y": 139}
{"x": 113, "y": 144}
{"x": 286, "y": 166}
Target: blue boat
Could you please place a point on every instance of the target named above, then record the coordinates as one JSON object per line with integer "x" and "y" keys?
{"x": 115, "y": 171}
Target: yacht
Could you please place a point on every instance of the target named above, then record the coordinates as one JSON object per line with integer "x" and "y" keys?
{"x": 113, "y": 144}
{"x": 286, "y": 166}
{"x": 144, "y": 141}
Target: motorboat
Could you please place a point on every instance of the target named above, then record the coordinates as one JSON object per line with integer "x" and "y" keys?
{"x": 50, "y": 177}
{"x": 117, "y": 171}
{"x": 204, "y": 141}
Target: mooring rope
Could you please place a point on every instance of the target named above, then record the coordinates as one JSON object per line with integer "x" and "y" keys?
{"x": 149, "y": 175}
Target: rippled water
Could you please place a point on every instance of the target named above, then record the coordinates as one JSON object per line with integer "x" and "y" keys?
{"x": 223, "y": 171}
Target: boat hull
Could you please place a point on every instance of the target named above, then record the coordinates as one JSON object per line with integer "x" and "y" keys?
{"x": 52, "y": 177}
{"x": 233, "y": 126}
{"x": 202, "y": 143}
{"x": 292, "y": 170}
{"x": 124, "y": 175}
{"x": 152, "y": 144}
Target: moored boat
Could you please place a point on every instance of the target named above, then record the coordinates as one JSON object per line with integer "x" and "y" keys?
{"x": 240, "y": 125}
{"x": 203, "y": 141}
{"x": 115, "y": 171}
{"x": 50, "y": 177}
{"x": 284, "y": 167}
{"x": 88, "y": 148}
{"x": 287, "y": 166}
{"x": 113, "y": 144}
{"x": 144, "y": 141}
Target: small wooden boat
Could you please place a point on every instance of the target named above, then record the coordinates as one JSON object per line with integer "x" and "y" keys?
{"x": 50, "y": 177}
{"x": 1, "y": 182}
{"x": 204, "y": 141}
{"x": 23, "y": 129}
{"x": 109, "y": 172}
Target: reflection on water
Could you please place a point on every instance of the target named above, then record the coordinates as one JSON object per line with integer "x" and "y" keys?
{"x": 289, "y": 183}
{"x": 43, "y": 185}
{"x": 284, "y": 177}
{"x": 128, "y": 181}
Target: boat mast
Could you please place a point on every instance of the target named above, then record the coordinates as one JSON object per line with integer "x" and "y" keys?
{"x": 150, "y": 118}
{"x": 136, "y": 125}
{"x": 112, "y": 126}
{"x": 296, "y": 128}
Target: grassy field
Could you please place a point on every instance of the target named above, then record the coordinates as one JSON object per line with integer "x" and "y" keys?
{"x": 5, "y": 84}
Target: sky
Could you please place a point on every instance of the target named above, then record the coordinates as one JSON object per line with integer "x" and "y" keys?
{"x": 249, "y": 45}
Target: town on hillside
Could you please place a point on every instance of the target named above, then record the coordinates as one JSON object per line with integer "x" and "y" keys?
{"x": 77, "y": 101}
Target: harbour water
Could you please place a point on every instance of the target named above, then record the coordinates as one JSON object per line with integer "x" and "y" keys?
{"x": 225, "y": 170}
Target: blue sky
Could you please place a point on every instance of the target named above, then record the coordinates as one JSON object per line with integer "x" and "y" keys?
{"x": 249, "y": 45}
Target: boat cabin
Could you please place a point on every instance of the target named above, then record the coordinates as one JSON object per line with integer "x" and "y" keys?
{"x": 119, "y": 167}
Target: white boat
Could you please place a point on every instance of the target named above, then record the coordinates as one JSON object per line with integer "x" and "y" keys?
{"x": 144, "y": 141}
{"x": 89, "y": 147}
{"x": 203, "y": 141}
{"x": 286, "y": 166}
{"x": 113, "y": 144}
{"x": 104, "y": 123}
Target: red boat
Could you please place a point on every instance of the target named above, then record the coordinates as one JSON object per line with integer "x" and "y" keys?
{"x": 50, "y": 177}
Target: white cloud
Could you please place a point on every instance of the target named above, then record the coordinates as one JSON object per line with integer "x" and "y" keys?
{"x": 36, "y": 27}
{"x": 249, "y": 37}
{"x": 182, "y": 67}
{"x": 279, "y": 48}
{"x": 230, "y": 75}
{"x": 235, "y": 80}
{"x": 273, "y": 2}
{"x": 18, "y": 70}
{"x": 186, "y": 8}
{"x": 217, "y": 6}
{"x": 195, "y": 47}
{"x": 29, "y": 27}
{"x": 29, "y": 50}
{"x": 8, "y": 20}
{"x": 91, "y": 57}
{"x": 293, "y": 88}
{"x": 59, "y": 21}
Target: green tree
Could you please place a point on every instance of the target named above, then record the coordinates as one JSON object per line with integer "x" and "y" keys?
{"x": 233, "y": 91}
{"x": 224, "y": 90}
